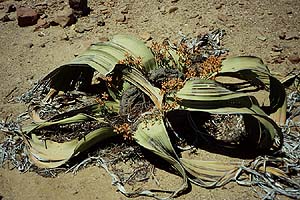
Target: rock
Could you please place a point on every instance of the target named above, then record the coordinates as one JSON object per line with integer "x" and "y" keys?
{"x": 65, "y": 36}
{"x": 174, "y": 1}
{"x": 222, "y": 17}
{"x": 28, "y": 45}
{"x": 162, "y": 10}
{"x": 291, "y": 36}
{"x": 103, "y": 39}
{"x": 95, "y": 19}
{"x": 193, "y": 16}
{"x": 65, "y": 18}
{"x": 80, "y": 7}
{"x": 103, "y": 9}
{"x": 278, "y": 59}
{"x": 26, "y": 16}
{"x": 43, "y": 16}
{"x": 230, "y": 25}
{"x": 12, "y": 16}
{"x": 294, "y": 59}
{"x": 43, "y": 45}
{"x": 219, "y": 6}
{"x": 42, "y": 23}
{"x": 261, "y": 38}
{"x": 275, "y": 53}
{"x": 43, "y": 3}
{"x": 276, "y": 48}
{"x": 41, "y": 34}
{"x": 11, "y": 8}
{"x": 121, "y": 18}
{"x": 100, "y": 21}
{"x": 282, "y": 35}
{"x": 41, "y": 10}
{"x": 125, "y": 9}
{"x": 81, "y": 28}
{"x": 146, "y": 36}
{"x": 5, "y": 18}
{"x": 172, "y": 9}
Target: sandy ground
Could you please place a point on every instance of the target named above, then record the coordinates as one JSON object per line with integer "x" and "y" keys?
{"x": 267, "y": 29}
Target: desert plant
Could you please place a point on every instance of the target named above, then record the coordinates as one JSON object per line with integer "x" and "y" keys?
{"x": 144, "y": 88}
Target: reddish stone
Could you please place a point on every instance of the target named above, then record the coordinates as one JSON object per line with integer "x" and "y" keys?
{"x": 294, "y": 59}
{"x": 26, "y": 16}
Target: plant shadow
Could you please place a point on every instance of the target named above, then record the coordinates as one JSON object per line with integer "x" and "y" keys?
{"x": 190, "y": 129}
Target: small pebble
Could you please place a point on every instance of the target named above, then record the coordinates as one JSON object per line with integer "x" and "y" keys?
{"x": 282, "y": 35}
{"x": 262, "y": 38}
{"x": 291, "y": 35}
{"x": 11, "y": 8}
{"x": 276, "y": 48}
{"x": 294, "y": 59}
{"x": 230, "y": 25}
{"x": 194, "y": 16}
{"x": 172, "y": 9}
{"x": 146, "y": 36}
{"x": 162, "y": 9}
{"x": 125, "y": 9}
{"x": 41, "y": 34}
{"x": 28, "y": 45}
{"x": 219, "y": 6}
{"x": 103, "y": 39}
{"x": 43, "y": 45}
{"x": 5, "y": 18}
{"x": 100, "y": 21}
{"x": 121, "y": 18}
{"x": 222, "y": 17}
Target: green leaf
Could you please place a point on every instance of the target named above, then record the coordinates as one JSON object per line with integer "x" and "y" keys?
{"x": 136, "y": 48}
{"x": 136, "y": 78}
{"x": 101, "y": 57}
{"x": 152, "y": 135}
{"x": 256, "y": 74}
{"x": 210, "y": 174}
{"x": 50, "y": 154}
{"x": 209, "y": 96}
{"x": 235, "y": 64}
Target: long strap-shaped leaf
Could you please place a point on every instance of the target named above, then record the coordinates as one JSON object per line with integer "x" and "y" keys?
{"x": 255, "y": 72}
{"x": 136, "y": 48}
{"x": 152, "y": 135}
{"x": 235, "y": 64}
{"x": 50, "y": 154}
{"x": 136, "y": 78}
{"x": 209, "y": 96}
{"x": 210, "y": 174}
{"x": 103, "y": 57}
